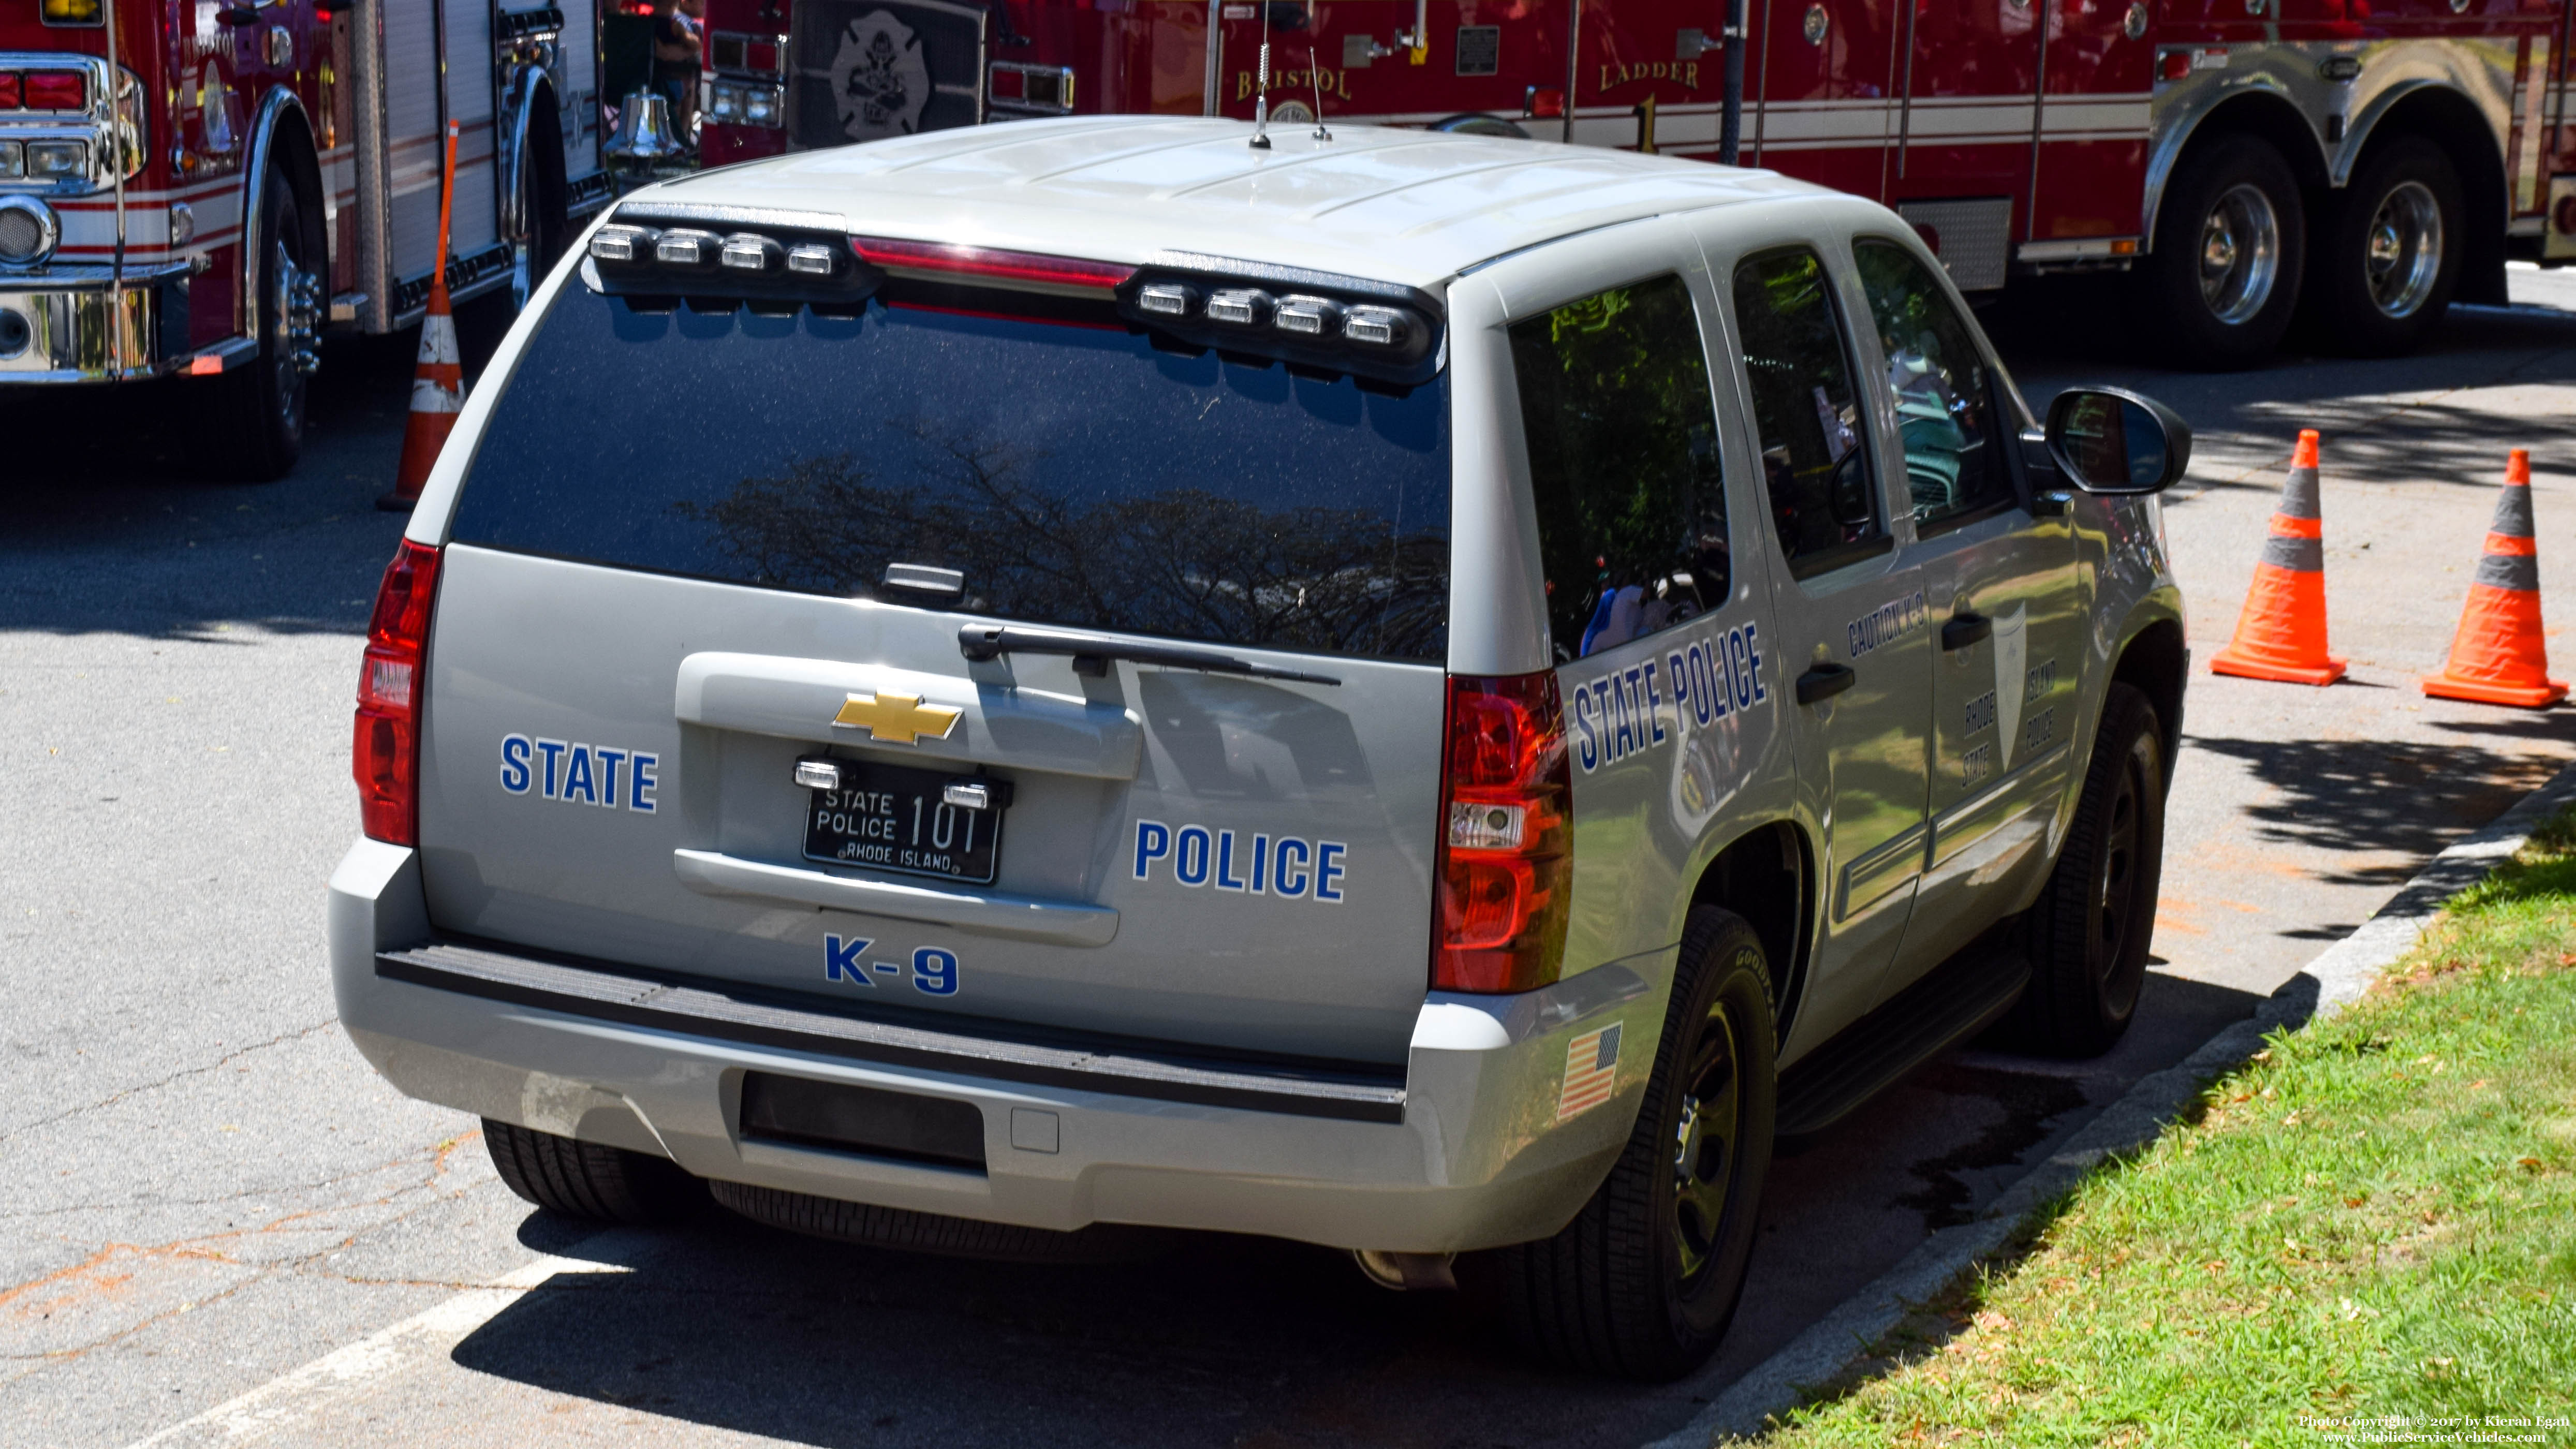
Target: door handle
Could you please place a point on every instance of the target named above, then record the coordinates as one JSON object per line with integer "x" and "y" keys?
{"x": 1966, "y": 629}
{"x": 1824, "y": 682}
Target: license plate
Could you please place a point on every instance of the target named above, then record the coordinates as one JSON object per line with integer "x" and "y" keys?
{"x": 892, "y": 817}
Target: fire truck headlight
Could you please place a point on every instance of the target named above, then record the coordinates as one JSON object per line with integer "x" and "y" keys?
{"x": 724, "y": 101}
{"x": 58, "y": 160}
{"x": 760, "y": 105}
{"x": 13, "y": 161}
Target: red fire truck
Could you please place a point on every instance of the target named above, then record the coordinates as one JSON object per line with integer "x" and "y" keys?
{"x": 201, "y": 187}
{"x": 2370, "y": 160}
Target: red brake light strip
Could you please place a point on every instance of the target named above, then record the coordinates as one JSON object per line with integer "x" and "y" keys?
{"x": 1024, "y": 271}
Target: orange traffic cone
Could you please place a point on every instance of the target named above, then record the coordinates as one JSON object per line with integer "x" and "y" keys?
{"x": 438, "y": 375}
{"x": 2282, "y": 633}
{"x": 2498, "y": 657}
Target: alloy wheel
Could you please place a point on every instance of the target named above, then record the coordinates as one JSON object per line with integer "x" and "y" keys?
{"x": 1705, "y": 1140}
{"x": 2240, "y": 253}
{"x": 2402, "y": 258}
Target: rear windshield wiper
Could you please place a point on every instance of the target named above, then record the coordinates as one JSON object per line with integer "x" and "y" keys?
{"x": 1092, "y": 652}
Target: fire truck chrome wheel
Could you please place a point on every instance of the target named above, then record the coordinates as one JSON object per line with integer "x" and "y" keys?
{"x": 2384, "y": 267}
{"x": 2404, "y": 249}
{"x": 2240, "y": 254}
{"x": 2223, "y": 273}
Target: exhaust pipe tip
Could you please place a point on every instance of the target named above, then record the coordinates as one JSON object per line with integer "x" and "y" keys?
{"x": 1407, "y": 1271}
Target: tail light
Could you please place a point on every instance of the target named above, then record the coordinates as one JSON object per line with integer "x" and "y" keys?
{"x": 55, "y": 90}
{"x": 1506, "y": 841}
{"x": 386, "y": 760}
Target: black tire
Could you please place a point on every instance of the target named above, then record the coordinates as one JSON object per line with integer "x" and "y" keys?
{"x": 591, "y": 1181}
{"x": 2089, "y": 932}
{"x": 2199, "y": 313}
{"x": 543, "y": 200}
{"x": 2387, "y": 257}
{"x": 1644, "y": 1281}
{"x": 255, "y": 413}
{"x": 920, "y": 1232}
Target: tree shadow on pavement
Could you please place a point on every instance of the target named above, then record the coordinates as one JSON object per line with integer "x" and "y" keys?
{"x": 2402, "y": 801}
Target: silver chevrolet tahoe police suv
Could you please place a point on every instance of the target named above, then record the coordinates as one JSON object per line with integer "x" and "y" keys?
{"x": 1426, "y": 694}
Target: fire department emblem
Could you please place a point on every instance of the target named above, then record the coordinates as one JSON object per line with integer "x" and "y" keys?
{"x": 880, "y": 83}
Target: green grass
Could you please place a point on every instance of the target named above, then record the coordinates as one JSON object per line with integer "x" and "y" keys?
{"x": 2376, "y": 1217}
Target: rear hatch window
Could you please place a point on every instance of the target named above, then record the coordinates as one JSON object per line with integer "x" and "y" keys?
{"x": 1073, "y": 473}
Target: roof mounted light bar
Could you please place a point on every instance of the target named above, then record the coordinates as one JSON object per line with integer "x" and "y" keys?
{"x": 1322, "y": 319}
{"x": 746, "y": 253}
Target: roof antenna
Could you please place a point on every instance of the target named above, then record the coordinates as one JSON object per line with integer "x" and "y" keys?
{"x": 1261, "y": 97}
{"x": 1315, "y": 73}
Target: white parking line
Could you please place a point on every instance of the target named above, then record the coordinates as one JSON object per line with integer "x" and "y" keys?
{"x": 431, "y": 1334}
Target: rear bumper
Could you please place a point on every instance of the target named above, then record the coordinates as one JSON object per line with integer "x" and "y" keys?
{"x": 69, "y": 324}
{"x": 1464, "y": 1152}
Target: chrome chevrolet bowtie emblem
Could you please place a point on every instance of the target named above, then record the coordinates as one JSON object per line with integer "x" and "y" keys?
{"x": 896, "y": 719}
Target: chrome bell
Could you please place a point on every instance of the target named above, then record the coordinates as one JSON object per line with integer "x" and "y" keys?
{"x": 644, "y": 131}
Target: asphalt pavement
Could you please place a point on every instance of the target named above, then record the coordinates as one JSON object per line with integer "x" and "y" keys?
{"x": 218, "y": 1226}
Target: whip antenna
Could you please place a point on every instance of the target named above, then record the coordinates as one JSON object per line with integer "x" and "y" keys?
{"x": 1261, "y": 95}
{"x": 1315, "y": 73}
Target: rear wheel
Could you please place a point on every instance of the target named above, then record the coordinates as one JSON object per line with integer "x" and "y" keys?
{"x": 2088, "y": 935}
{"x": 256, "y": 411}
{"x": 2388, "y": 256}
{"x": 2223, "y": 279}
{"x": 589, "y": 1180}
{"x": 1645, "y": 1279}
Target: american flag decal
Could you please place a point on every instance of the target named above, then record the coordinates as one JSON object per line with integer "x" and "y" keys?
{"x": 1591, "y": 1066}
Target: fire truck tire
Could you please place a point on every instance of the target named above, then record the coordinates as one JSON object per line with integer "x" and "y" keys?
{"x": 1645, "y": 1280}
{"x": 2388, "y": 256}
{"x": 255, "y": 412}
{"x": 544, "y": 202}
{"x": 2222, "y": 283}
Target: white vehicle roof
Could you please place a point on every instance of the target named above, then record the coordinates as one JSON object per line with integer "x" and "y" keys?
{"x": 1414, "y": 207}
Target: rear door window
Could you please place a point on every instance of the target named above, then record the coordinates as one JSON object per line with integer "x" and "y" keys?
{"x": 1070, "y": 470}
{"x": 1624, "y": 467}
{"x": 1815, "y": 461}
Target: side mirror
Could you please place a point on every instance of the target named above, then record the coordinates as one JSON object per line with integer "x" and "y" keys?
{"x": 2111, "y": 440}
